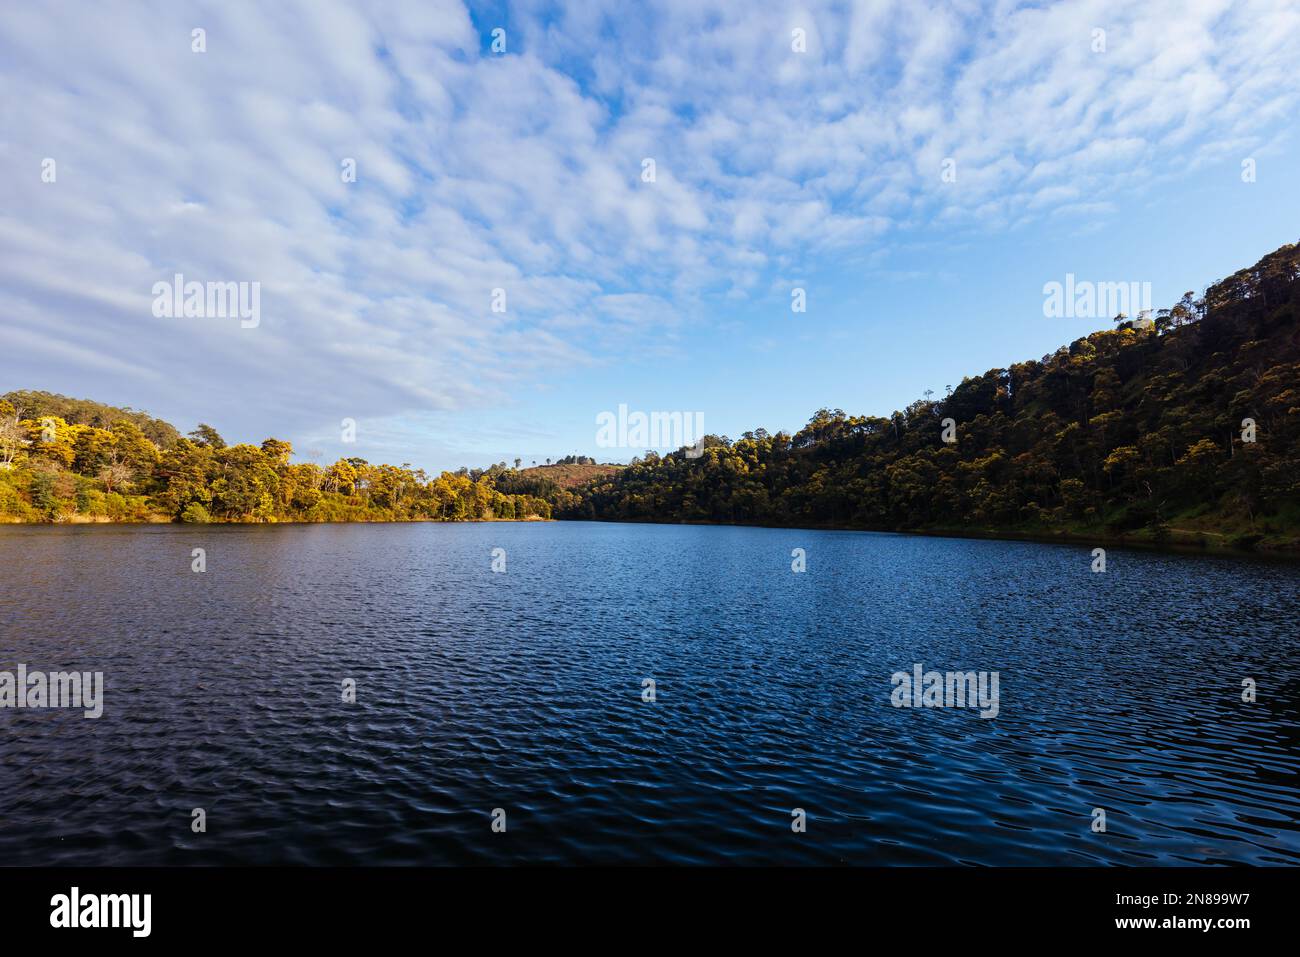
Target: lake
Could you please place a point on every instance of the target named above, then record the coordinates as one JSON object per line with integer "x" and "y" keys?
{"x": 524, "y": 690}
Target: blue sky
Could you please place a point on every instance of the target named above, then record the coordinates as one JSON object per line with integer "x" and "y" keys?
{"x": 1115, "y": 157}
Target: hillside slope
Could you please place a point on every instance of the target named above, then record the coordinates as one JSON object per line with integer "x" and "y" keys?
{"x": 569, "y": 476}
{"x": 1186, "y": 432}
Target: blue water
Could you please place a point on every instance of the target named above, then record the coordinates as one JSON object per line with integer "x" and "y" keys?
{"x": 522, "y": 691}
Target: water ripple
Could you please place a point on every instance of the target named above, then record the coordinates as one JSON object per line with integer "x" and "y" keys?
{"x": 523, "y": 691}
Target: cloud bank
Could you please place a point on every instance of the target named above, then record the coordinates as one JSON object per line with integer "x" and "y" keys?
{"x": 782, "y": 138}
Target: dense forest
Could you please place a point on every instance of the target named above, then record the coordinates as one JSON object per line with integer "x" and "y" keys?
{"x": 74, "y": 460}
{"x": 1184, "y": 429}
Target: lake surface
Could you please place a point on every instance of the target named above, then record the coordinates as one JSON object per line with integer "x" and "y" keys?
{"x": 522, "y": 690}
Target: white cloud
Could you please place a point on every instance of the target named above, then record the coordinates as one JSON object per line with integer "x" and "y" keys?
{"x": 523, "y": 172}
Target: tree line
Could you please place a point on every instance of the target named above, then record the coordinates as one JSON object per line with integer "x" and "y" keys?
{"x": 73, "y": 460}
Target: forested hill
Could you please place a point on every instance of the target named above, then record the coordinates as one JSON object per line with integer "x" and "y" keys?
{"x": 1189, "y": 430}
{"x": 1127, "y": 432}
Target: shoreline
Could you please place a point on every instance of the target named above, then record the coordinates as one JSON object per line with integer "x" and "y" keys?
{"x": 1180, "y": 542}
{"x": 1184, "y": 541}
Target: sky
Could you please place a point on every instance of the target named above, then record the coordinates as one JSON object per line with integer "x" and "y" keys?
{"x": 503, "y": 268}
